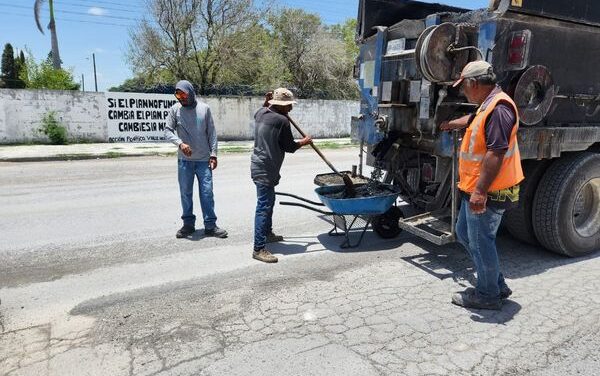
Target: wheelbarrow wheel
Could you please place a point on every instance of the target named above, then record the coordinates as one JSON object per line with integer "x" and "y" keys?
{"x": 386, "y": 224}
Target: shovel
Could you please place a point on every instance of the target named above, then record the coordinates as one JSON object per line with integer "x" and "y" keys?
{"x": 350, "y": 191}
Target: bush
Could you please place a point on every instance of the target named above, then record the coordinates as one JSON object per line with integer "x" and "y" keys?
{"x": 51, "y": 127}
{"x": 42, "y": 75}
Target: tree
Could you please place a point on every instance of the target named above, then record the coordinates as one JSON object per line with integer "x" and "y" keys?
{"x": 256, "y": 62}
{"x": 56, "y": 62}
{"x": 316, "y": 58}
{"x": 22, "y": 68}
{"x": 43, "y": 75}
{"x": 229, "y": 47}
{"x": 10, "y": 69}
{"x": 190, "y": 39}
{"x": 347, "y": 33}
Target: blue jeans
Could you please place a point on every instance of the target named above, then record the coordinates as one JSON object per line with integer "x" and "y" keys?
{"x": 186, "y": 172}
{"x": 477, "y": 233}
{"x": 263, "y": 219}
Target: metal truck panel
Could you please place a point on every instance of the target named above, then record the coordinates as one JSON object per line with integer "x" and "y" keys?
{"x": 386, "y": 13}
{"x": 570, "y": 52}
{"x": 582, "y": 11}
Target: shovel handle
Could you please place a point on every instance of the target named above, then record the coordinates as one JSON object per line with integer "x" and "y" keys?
{"x": 315, "y": 148}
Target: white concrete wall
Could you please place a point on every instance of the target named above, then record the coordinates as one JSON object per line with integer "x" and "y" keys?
{"x": 86, "y": 115}
{"x": 21, "y": 112}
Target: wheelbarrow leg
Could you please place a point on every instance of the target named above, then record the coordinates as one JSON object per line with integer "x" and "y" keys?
{"x": 340, "y": 222}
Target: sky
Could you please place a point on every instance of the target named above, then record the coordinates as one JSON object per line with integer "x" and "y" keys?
{"x": 101, "y": 27}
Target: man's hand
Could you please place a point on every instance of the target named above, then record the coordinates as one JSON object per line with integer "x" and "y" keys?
{"x": 445, "y": 126}
{"x": 490, "y": 167}
{"x": 459, "y": 123}
{"x": 268, "y": 97}
{"x": 478, "y": 202}
{"x": 186, "y": 149}
{"x": 305, "y": 141}
{"x": 212, "y": 163}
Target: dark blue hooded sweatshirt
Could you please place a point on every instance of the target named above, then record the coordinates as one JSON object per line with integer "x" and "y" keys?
{"x": 192, "y": 124}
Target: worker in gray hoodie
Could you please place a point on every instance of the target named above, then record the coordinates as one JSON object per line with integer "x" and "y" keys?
{"x": 190, "y": 126}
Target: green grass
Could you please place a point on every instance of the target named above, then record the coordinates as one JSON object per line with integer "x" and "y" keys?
{"x": 235, "y": 149}
{"x": 333, "y": 145}
{"x": 114, "y": 154}
{"x": 75, "y": 156}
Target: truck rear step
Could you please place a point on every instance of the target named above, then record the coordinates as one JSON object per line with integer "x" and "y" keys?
{"x": 434, "y": 226}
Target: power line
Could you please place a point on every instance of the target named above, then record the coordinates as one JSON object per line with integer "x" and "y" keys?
{"x": 97, "y": 2}
{"x": 70, "y": 20}
{"x": 76, "y": 13}
{"x": 130, "y": 10}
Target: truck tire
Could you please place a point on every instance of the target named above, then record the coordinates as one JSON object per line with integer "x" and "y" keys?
{"x": 566, "y": 208}
{"x": 518, "y": 221}
{"x": 386, "y": 225}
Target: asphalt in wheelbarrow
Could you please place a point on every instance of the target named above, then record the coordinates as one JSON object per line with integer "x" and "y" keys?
{"x": 369, "y": 199}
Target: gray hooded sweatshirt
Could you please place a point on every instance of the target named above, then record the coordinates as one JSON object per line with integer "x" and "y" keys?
{"x": 192, "y": 124}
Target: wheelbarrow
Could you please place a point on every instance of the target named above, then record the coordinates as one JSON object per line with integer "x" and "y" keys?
{"x": 354, "y": 215}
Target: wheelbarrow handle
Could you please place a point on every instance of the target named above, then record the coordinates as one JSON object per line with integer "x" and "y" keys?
{"x": 299, "y": 198}
{"x": 284, "y": 203}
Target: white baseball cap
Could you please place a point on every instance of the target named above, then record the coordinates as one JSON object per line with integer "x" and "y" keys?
{"x": 474, "y": 69}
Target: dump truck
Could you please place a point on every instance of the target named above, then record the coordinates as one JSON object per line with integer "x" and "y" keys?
{"x": 546, "y": 55}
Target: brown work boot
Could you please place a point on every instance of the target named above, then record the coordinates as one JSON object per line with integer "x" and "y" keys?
{"x": 272, "y": 238}
{"x": 185, "y": 231}
{"x": 471, "y": 299}
{"x": 264, "y": 256}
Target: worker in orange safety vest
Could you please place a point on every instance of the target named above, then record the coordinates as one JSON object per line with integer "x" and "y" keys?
{"x": 490, "y": 173}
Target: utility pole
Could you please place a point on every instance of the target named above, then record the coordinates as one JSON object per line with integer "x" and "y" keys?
{"x": 95, "y": 78}
{"x": 82, "y": 83}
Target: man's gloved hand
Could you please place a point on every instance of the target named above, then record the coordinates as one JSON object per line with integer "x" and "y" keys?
{"x": 212, "y": 163}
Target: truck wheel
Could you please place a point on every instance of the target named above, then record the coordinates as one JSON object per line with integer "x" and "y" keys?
{"x": 518, "y": 221}
{"x": 386, "y": 224}
{"x": 566, "y": 209}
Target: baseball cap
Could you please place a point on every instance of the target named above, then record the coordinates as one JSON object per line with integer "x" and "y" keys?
{"x": 474, "y": 69}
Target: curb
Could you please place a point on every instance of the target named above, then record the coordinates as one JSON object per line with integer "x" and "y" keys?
{"x": 112, "y": 154}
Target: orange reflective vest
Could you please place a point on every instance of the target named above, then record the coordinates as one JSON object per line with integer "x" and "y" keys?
{"x": 474, "y": 148}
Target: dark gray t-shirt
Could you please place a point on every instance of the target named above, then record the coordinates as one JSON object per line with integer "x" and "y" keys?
{"x": 499, "y": 127}
{"x": 272, "y": 139}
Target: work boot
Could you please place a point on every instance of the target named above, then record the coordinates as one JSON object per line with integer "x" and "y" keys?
{"x": 264, "y": 256}
{"x": 505, "y": 291}
{"x": 272, "y": 238}
{"x": 216, "y": 232}
{"x": 185, "y": 231}
{"x": 471, "y": 299}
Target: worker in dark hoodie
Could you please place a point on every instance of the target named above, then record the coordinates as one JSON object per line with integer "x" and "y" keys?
{"x": 190, "y": 126}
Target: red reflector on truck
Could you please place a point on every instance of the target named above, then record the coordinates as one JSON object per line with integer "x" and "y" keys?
{"x": 518, "y": 50}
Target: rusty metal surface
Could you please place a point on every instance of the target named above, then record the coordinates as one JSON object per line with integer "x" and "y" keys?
{"x": 545, "y": 143}
{"x": 568, "y": 50}
{"x": 436, "y": 60}
{"x": 583, "y": 11}
{"x": 534, "y": 94}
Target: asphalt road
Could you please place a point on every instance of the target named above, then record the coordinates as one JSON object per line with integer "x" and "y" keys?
{"x": 93, "y": 282}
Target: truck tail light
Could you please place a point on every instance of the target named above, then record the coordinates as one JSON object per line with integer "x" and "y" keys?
{"x": 518, "y": 50}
